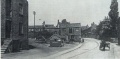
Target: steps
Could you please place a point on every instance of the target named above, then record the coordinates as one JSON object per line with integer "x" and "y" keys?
{"x": 5, "y": 46}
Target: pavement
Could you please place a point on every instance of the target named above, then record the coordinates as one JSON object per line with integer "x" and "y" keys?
{"x": 87, "y": 50}
{"x": 40, "y": 51}
{"x": 116, "y": 50}
{"x": 90, "y": 50}
{"x": 64, "y": 52}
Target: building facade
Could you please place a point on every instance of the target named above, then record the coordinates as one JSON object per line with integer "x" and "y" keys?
{"x": 70, "y": 31}
{"x": 49, "y": 28}
{"x": 14, "y": 23}
{"x": 40, "y": 28}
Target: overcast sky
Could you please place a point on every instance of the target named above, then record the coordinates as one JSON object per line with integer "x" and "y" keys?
{"x": 75, "y": 11}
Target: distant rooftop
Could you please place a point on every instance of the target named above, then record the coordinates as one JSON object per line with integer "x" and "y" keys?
{"x": 41, "y": 26}
{"x": 74, "y": 25}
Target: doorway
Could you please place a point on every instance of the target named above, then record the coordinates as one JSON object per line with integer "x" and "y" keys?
{"x": 7, "y": 28}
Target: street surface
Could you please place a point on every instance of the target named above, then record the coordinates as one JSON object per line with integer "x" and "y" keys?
{"x": 40, "y": 51}
{"x": 89, "y": 50}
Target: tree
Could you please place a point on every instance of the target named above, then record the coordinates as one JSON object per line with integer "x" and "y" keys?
{"x": 103, "y": 29}
{"x": 113, "y": 14}
{"x": 98, "y": 28}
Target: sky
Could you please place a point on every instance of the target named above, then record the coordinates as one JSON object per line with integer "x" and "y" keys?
{"x": 74, "y": 11}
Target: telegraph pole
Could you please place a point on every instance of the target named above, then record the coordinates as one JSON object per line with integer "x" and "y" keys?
{"x": 34, "y": 13}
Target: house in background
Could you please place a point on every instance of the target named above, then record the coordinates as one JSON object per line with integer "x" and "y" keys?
{"x": 74, "y": 30}
{"x": 14, "y": 25}
{"x": 51, "y": 28}
{"x": 90, "y": 32}
{"x": 48, "y": 27}
{"x": 40, "y": 28}
{"x": 37, "y": 28}
{"x": 69, "y": 31}
{"x": 31, "y": 29}
{"x": 84, "y": 27}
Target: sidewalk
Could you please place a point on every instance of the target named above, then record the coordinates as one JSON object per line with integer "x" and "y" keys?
{"x": 41, "y": 51}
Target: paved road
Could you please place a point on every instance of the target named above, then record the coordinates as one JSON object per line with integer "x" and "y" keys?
{"x": 89, "y": 50}
{"x": 41, "y": 51}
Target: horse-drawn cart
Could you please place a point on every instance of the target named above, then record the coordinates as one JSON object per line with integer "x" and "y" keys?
{"x": 104, "y": 44}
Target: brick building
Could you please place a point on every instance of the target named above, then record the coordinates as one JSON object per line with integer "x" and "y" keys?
{"x": 69, "y": 31}
{"x": 14, "y": 25}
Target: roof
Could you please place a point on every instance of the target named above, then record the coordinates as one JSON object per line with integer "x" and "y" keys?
{"x": 49, "y": 26}
{"x": 40, "y": 26}
{"x": 74, "y": 25}
{"x": 55, "y": 36}
{"x": 37, "y": 26}
{"x": 63, "y": 25}
{"x": 86, "y": 30}
{"x": 70, "y": 25}
{"x": 84, "y": 27}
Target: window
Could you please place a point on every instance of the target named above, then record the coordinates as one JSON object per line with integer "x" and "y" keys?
{"x": 39, "y": 30}
{"x": 21, "y": 9}
{"x": 72, "y": 37}
{"x": 55, "y": 40}
{"x": 29, "y": 30}
{"x": 70, "y": 30}
{"x": 20, "y": 28}
{"x": 8, "y": 9}
{"x": 8, "y": 28}
{"x": 46, "y": 25}
{"x": 32, "y": 29}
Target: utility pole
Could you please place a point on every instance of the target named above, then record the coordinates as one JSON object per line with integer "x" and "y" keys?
{"x": 34, "y": 13}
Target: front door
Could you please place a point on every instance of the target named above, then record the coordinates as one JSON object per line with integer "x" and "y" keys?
{"x": 8, "y": 28}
